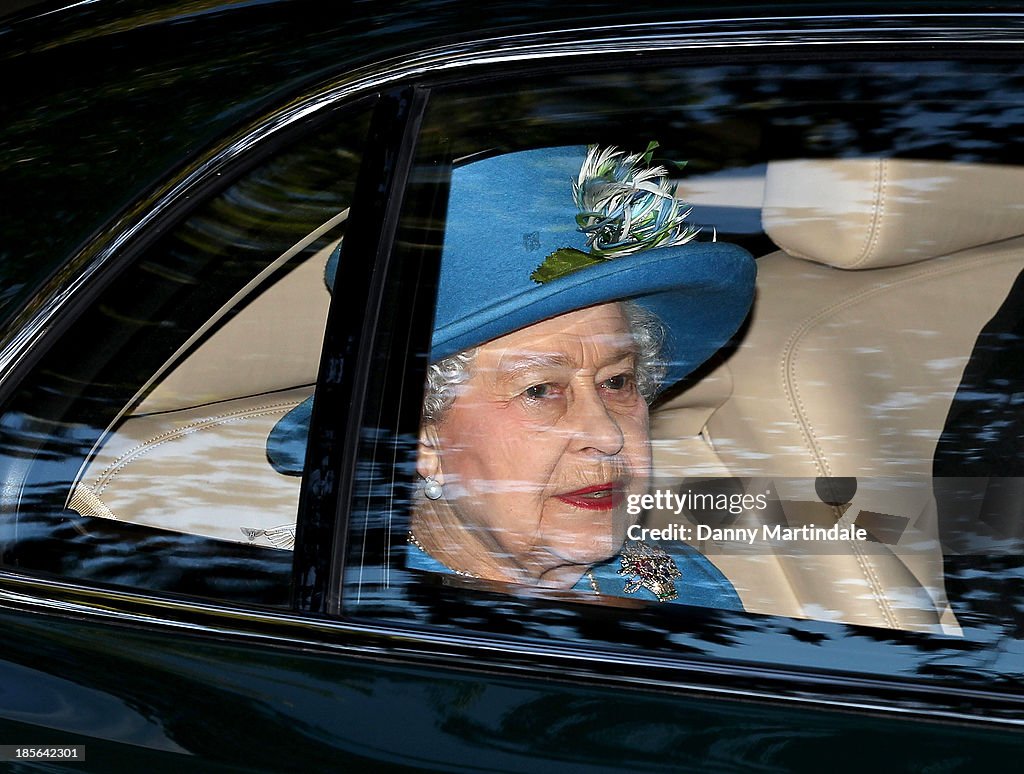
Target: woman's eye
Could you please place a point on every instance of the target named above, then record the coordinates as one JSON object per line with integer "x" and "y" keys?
{"x": 620, "y": 382}
{"x": 538, "y": 391}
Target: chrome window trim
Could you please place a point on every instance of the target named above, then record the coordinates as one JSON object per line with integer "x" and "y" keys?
{"x": 32, "y": 323}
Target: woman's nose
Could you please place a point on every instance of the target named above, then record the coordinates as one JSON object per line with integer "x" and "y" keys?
{"x": 596, "y": 428}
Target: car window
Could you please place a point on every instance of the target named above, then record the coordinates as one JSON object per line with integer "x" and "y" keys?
{"x": 135, "y": 453}
{"x": 810, "y": 442}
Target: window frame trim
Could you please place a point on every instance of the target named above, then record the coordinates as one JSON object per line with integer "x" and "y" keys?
{"x": 329, "y": 470}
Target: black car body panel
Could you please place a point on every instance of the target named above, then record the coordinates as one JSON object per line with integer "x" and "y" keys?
{"x": 118, "y": 119}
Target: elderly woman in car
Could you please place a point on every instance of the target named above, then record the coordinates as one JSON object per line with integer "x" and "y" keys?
{"x": 572, "y": 292}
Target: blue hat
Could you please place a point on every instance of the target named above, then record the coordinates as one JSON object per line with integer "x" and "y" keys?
{"x": 535, "y": 234}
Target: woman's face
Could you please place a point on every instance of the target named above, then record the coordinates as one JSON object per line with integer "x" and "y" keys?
{"x": 544, "y": 442}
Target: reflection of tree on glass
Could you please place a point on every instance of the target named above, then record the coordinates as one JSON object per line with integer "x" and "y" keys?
{"x": 535, "y": 424}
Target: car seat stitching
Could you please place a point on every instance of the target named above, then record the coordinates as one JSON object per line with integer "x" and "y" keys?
{"x": 791, "y": 388}
{"x": 882, "y": 600}
{"x": 107, "y": 475}
{"x": 791, "y": 350}
{"x": 873, "y": 234}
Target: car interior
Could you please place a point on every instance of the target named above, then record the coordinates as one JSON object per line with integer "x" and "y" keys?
{"x": 202, "y": 448}
{"x": 866, "y": 316}
{"x": 864, "y": 321}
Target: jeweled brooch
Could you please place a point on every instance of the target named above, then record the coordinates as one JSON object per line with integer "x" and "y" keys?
{"x": 649, "y": 567}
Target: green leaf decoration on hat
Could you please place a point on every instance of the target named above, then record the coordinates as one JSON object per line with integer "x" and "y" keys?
{"x": 625, "y": 206}
{"x": 561, "y": 262}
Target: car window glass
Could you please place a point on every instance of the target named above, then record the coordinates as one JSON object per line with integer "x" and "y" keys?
{"x": 135, "y": 453}
{"x": 833, "y": 465}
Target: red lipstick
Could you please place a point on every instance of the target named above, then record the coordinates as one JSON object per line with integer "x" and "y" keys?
{"x": 600, "y": 497}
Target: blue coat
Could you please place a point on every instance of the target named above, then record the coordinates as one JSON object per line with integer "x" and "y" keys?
{"x": 700, "y": 583}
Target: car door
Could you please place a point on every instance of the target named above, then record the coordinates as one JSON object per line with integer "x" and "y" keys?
{"x": 171, "y": 595}
{"x": 805, "y": 460}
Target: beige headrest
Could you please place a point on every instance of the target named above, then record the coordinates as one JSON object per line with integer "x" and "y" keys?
{"x": 867, "y": 213}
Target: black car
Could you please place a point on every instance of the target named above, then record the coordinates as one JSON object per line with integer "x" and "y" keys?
{"x": 213, "y": 212}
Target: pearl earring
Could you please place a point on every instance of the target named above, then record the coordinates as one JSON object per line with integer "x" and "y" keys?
{"x": 432, "y": 489}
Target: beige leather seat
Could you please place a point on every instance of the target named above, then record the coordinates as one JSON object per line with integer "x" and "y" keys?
{"x": 862, "y": 326}
{"x": 191, "y": 456}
